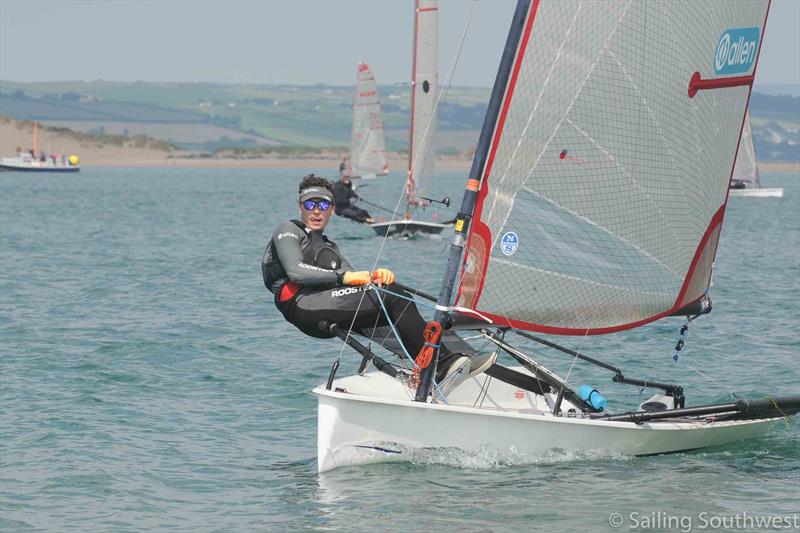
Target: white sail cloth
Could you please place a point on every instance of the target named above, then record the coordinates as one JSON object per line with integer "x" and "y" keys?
{"x": 367, "y": 145}
{"x": 746, "y": 166}
{"x": 604, "y": 190}
{"x": 425, "y": 88}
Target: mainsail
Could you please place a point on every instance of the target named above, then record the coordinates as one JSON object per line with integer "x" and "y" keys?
{"x": 604, "y": 186}
{"x": 423, "y": 98}
{"x": 367, "y": 146}
{"x": 746, "y": 169}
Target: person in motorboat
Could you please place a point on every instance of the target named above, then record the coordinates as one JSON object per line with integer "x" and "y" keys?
{"x": 315, "y": 287}
{"x": 343, "y": 192}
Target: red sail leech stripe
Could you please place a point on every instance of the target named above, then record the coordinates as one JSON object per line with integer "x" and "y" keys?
{"x": 697, "y": 83}
{"x": 716, "y": 220}
{"x": 502, "y": 321}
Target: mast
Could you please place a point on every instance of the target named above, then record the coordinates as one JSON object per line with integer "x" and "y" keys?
{"x": 410, "y": 183}
{"x": 474, "y": 182}
{"x": 35, "y": 139}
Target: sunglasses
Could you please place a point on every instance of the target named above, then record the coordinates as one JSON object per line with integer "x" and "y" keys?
{"x": 323, "y": 205}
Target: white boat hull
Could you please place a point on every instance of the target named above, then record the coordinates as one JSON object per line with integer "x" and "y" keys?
{"x": 368, "y": 177}
{"x": 20, "y": 165}
{"x": 775, "y": 192}
{"x": 406, "y": 228}
{"x": 376, "y": 420}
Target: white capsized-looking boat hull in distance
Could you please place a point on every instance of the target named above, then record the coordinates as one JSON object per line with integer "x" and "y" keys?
{"x": 377, "y": 420}
{"x": 34, "y": 165}
{"x": 407, "y": 227}
{"x": 775, "y": 192}
{"x": 368, "y": 177}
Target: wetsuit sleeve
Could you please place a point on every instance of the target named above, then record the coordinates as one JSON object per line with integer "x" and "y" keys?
{"x": 351, "y": 192}
{"x": 287, "y": 239}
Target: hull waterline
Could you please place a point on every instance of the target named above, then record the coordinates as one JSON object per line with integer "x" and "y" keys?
{"x": 23, "y": 168}
{"x": 758, "y": 192}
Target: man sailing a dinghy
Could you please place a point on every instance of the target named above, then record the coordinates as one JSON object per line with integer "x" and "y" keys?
{"x": 315, "y": 286}
{"x": 342, "y": 193}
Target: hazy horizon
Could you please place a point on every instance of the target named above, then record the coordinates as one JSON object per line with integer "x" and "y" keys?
{"x": 272, "y": 43}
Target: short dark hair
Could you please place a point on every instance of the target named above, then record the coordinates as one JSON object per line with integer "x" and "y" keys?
{"x": 312, "y": 180}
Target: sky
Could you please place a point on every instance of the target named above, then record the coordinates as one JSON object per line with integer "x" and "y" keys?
{"x": 281, "y": 41}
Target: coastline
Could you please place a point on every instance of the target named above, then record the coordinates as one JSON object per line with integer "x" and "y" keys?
{"x": 779, "y": 167}
{"x": 130, "y": 153}
{"x": 397, "y": 162}
{"x": 329, "y": 160}
{"x": 137, "y": 154}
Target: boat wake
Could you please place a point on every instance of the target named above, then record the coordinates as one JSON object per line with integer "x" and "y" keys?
{"x": 486, "y": 458}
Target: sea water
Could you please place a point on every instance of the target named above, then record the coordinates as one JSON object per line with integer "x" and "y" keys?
{"x": 148, "y": 383}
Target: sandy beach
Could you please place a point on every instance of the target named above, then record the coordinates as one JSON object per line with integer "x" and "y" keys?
{"x": 15, "y": 134}
{"x": 779, "y": 167}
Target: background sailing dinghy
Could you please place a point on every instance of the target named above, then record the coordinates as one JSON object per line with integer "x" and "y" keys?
{"x": 424, "y": 90}
{"x": 594, "y": 205}
{"x": 746, "y": 180}
{"x": 367, "y": 144}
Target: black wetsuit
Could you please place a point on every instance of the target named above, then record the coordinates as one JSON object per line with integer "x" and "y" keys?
{"x": 311, "y": 265}
{"x": 342, "y": 192}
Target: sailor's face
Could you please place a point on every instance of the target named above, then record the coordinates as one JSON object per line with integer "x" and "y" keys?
{"x": 316, "y": 219}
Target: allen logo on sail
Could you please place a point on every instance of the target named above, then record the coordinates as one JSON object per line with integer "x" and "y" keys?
{"x": 736, "y": 51}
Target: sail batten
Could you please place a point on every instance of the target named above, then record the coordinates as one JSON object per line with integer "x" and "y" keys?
{"x": 604, "y": 190}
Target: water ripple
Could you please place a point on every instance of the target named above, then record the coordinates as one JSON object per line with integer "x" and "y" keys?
{"x": 147, "y": 382}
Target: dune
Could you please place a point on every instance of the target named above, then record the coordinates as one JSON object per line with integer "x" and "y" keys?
{"x": 119, "y": 151}
{"x": 140, "y": 151}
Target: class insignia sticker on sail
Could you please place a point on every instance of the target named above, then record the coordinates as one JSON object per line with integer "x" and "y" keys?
{"x": 509, "y": 243}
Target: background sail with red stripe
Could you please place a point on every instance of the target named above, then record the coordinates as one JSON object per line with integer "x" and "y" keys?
{"x": 367, "y": 145}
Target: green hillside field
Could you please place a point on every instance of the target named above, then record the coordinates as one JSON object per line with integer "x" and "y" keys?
{"x": 212, "y": 116}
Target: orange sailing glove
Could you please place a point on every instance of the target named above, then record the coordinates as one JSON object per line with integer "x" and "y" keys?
{"x": 383, "y": 276}
{"x": 356, "y": 278}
